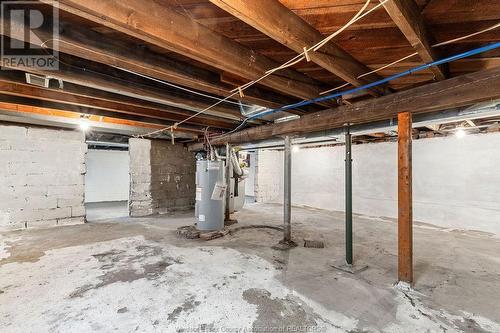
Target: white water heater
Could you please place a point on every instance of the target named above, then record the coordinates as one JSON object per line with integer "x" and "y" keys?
{"x": 210, "y": 199}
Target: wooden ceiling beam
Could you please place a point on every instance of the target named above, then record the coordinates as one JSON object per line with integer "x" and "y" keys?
{"x": 28, "y": 105}
{"x": 12, "y": 88}
{"x": 162, "y": 26}
{"x": 281, "y": 24}
{"x": 138, "y": 59}
{"x": 461, "y": 91}
{"x": 406, "y": 15}
{"x": 51, "y": 112}
{"x": 128, "y": 85}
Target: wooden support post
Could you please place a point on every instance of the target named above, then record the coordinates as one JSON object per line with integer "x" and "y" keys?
{"x": 405, "y": 210}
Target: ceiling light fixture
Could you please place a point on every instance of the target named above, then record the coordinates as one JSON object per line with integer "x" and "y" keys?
{"x": 84, "y": 123}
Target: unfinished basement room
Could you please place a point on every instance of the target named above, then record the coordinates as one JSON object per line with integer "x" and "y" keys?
{"x": 250, "y": 166}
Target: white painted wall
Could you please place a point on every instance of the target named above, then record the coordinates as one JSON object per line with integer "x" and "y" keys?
{"x": 269, "y": 176}
{"x": 456, "y": 182}
{"x": 107, "y": 177}
{"x": 250, "y": 181}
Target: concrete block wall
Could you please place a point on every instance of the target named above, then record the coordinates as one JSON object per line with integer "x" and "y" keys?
{"x": 162, "y": 177}
{"x": 173, "y": 173}
{"x": 250, "y": 181}
{"x": 42, "y": 174}
{"x": 456, "y": 183}
{"x": 140, "y": 200}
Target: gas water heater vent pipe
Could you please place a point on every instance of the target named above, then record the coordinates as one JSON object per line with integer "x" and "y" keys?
{"x": 242, "y": 174}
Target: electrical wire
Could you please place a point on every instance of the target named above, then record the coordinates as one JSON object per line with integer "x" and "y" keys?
{"x": 207, "y": 138}
{"x": 183, "y": 88}
{"x": 301, "y": 57}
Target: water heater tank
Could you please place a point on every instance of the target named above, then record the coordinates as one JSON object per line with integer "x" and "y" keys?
{"x": 209, "y": 207}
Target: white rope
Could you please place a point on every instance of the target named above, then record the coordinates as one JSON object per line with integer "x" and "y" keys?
{"x": 336, "y": 88}
{"x": 323, "y": 42}
{"x": 289, "y": 63}
{"x": 388, "y": 65}
{"x": 493, "y": 27}
{"x": 356, "y": 17}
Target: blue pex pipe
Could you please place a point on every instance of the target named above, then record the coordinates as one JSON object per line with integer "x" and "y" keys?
{"x": 379, "y": 82}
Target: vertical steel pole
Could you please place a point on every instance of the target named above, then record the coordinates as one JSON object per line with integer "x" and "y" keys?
{"x": 288, "y": 190}
{"x": 227, "y": 212}
{"x": 348, "y": 197}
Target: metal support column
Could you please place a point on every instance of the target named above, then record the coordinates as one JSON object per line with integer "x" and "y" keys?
{"x": 348, "y": 197}
{"x": 227, "y": 211}
{"x": 288, "y": 190}
{"x": 348, "y": 265}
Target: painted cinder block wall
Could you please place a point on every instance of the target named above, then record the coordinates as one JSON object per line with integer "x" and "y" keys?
{"x": 42, "y": 174}
{"x": 268, "y": 181}
{"x": 162, "y": 177}
{"x": 456, "y": 182}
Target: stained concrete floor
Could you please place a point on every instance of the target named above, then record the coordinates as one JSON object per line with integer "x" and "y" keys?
{"x": 135, "y": 275}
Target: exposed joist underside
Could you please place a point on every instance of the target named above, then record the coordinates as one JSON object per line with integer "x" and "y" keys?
{"x": 111, "y": 45}
{"x": 283, "y": 25}
{"x": 85, "y": 97}
{"x": 87, "y": 44}
{"x": 406, "y": 15}
{"x": 165, "y": 28}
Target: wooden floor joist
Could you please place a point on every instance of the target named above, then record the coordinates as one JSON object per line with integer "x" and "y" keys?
{"x": 162, "y": 26}
{"x": 115, "y": 105}
{"x": 115, "y": 83}
{"x": 117, "y": 53}
{"x": 55, "y": 110}
{"x": 293, "y": 32}
{"x": 405, "y": 210}
{"x": 406, "y": 15}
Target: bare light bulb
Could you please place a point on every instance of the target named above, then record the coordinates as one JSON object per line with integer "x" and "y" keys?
{"x": 460, "y": 133}
{"x": 84, "y": 125}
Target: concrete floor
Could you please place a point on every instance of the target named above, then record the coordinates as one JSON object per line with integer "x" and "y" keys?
{"x": 98, "y": 211}
{"x": 136, "y": 275}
